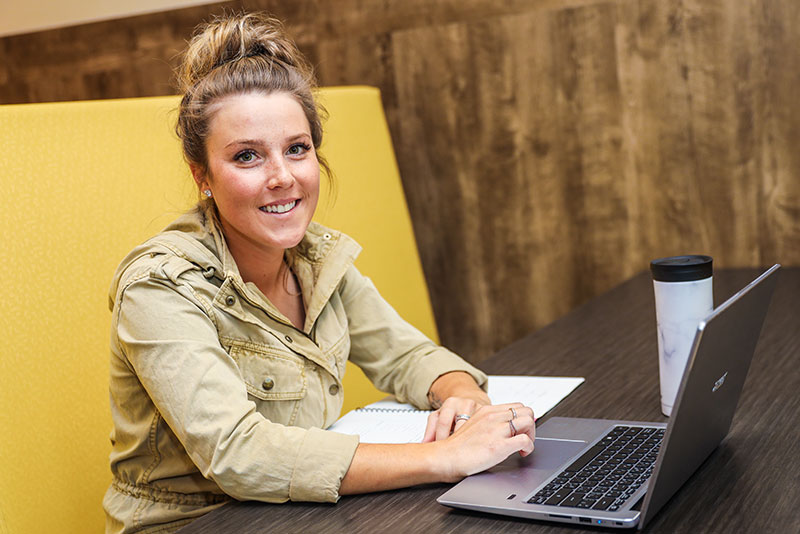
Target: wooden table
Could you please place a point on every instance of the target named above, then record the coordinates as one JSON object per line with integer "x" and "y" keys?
{"x": 751, "y": 483}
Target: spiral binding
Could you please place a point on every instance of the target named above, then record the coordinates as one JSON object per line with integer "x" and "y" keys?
{"x": 405, "y": 410}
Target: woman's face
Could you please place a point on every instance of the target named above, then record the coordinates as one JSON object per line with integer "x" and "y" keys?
{"x": 263, "y": 171}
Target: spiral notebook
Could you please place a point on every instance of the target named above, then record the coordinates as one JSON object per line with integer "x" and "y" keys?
{"x": 388, "y": 421}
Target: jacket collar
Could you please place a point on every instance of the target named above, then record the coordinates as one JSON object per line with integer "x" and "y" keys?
{"x": 319, "y": 261}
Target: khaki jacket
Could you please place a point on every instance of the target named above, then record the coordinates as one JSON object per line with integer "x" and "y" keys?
{"x": 215, "y": 395}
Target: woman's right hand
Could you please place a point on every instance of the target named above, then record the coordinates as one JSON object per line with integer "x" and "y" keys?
{"x": 483, "y": 441}
{"x": 492, "y": 434}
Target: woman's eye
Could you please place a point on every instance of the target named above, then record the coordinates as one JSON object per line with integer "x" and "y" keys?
{"x": 246, "y": 156}
{"x": 299, "y": 148}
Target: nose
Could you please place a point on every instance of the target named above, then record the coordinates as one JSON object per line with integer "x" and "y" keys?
{"x": 279, "y": 175}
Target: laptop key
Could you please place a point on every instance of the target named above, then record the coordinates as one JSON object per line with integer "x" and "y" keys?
{"x": 558, "y": 496}
{"x": 603, "y": 503}
{"x": 572, "y": 500}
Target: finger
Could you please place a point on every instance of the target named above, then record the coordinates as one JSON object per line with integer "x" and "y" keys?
{"x": 459, "y": 424}
{"x": 509, "y": 405}
{"x": 444, "y": 424}
{"x": 523, "y": 443}
{"x": 461, "y": 406}
{"x": 526, "y": 426}
{"x": 430, "y": 428}
{"x": 468, "y": 407}
{"x": 526, "y": 411}
{"x": 519, "y": 409}
{"x": 509, "y": 411}
{"x": 502, "y": 414}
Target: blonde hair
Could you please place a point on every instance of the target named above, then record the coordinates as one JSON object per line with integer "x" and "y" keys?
{"x": 236, "y": 54}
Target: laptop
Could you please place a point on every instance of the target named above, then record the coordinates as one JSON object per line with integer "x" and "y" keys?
{"x": 620, "y": 473}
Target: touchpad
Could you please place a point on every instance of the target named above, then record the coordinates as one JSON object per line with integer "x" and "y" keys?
{"x": 516, "y": 476}
{"x": 547, "y": 455}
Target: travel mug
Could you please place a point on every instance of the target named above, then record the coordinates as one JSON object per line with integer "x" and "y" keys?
{"x": 684, "y": 297}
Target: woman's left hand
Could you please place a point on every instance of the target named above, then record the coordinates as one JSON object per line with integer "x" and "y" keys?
{"x": 453, "y": 414}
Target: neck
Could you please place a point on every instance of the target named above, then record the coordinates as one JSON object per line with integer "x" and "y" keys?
{"x": 264, "y": 267}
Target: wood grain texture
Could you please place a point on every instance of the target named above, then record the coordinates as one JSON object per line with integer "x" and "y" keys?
{"x": 748, "y": 484}
{"x": 548, "y": 149}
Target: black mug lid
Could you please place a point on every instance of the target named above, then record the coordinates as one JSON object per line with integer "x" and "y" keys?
{"x": 681, "y": 268}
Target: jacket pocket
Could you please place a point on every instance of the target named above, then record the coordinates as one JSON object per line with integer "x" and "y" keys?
{"x": 270, "y": 375}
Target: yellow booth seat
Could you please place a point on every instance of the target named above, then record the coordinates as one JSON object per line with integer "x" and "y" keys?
{"x": 84, "y": 182}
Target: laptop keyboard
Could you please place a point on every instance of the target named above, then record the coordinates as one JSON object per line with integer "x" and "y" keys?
{"x": 606, "y": 475}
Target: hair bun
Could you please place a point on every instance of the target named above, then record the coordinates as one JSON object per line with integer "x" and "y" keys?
{"x": 228, "y": 39}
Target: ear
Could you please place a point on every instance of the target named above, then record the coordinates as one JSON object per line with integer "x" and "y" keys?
{"x": 200, "y": 176}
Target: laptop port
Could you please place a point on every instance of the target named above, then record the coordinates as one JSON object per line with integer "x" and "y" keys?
{"x": 560, "y": 516}
{"x": 584, "y": 520}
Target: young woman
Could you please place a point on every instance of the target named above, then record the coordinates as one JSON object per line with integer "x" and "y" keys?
{"x": 231, "y": 328}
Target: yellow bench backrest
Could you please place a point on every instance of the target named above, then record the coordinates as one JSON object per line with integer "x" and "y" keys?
{"x": 84, "y": 182}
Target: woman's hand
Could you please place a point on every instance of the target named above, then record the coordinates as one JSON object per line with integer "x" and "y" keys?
{"x": 455, "y": 396}
{"x": 492, "y": 434}
{"x": 453, "y": 414}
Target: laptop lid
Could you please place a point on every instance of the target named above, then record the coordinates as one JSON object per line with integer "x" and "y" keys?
{"x": 710, "y": 390}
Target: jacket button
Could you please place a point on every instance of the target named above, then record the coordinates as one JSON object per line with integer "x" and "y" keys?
{"x": 334, "y": 389}
{"x": 268, "y": 384}
{"x": 209, "y": 273}
{"x": 230, "y": 300}
{"x": 288, "y": 338}
{"x": 326, "y": 236}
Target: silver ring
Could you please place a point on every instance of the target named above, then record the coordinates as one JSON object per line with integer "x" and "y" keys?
{"x": 513, "y": 413}
{"x": 462, "y": 417}
{"x": 513, "y": 428}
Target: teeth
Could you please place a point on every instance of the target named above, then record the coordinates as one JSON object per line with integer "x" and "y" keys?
{"x": 279, "y": 208}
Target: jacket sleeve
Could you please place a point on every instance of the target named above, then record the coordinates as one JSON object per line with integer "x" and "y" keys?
{"x": 168, "y": 336}
{"x": 394, "y": 355}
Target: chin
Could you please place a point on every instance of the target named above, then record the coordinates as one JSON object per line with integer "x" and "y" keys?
{"x": 290, "y": 240}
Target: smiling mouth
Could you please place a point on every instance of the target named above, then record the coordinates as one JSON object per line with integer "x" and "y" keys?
{"x": 279, "y": 208}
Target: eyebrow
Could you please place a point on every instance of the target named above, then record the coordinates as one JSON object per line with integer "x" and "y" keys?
{"x": 289, "y": 139}
{"x": 244, "y": 142}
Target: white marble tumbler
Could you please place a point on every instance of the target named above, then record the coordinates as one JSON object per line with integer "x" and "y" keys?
{"x": 684, "y": 297}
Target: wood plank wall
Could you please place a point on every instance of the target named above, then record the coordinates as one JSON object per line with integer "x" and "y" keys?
{"x": 548, "y": 148}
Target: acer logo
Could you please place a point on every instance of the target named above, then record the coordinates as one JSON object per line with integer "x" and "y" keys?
{"x": 718, "y": 383}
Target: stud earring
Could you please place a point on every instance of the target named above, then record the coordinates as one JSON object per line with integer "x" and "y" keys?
{"x": 207, "y": 193}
